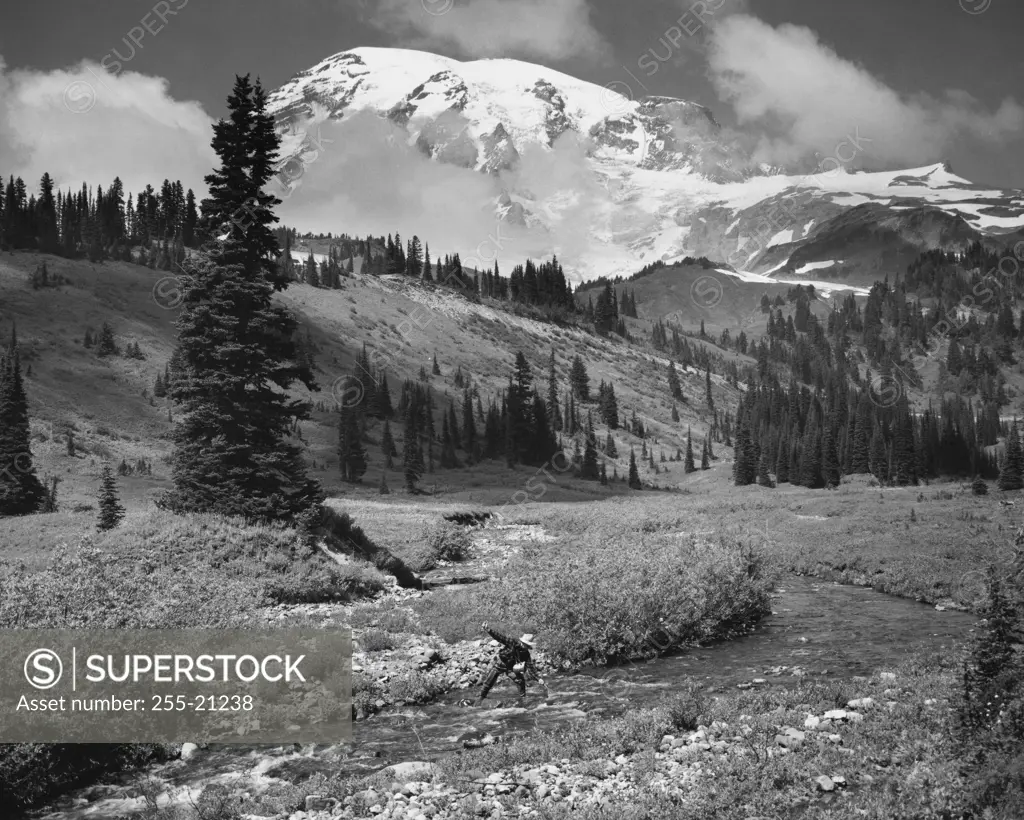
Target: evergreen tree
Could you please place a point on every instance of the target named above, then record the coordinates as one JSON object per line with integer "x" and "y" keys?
{"x": 675, "y": 413}
{"x": 579, "y": 381}
{"x": 705, "y": 459}
{"x": 553, "y": 409}
{"x": 426, "y": 274}
{"x": 878, "y": 457}
{"x": 1011, "y": 476}
{"x": 674, "y": 387}
{"x": 978, "y": 486}
{"x": 860, "y": 458}
{"x": 21, "y": 492}
{"x": 610, "y": 449}
{"x": 707, "y": 388}
{"x": 50, "y": 504}
{"x": 351, "y": 453}
{"x": 744, "y": 469}
{"x": 829, "y": 458}
{"x": 634, "y": 475}
{"x": 412, "y": 457}
{"x": 231, "y": 453}
{"x": 111, "y": 511}
{"x": 782, "y": 459}
{"x": 763, "y": 478}
{"x": 469, "y": 433}
{"x": 992, "y": 675}
{"x": 383, "y": 488}
{"x": 903, "y": 446}
{"x": 435, "y": 369}
{"x": 387, "y": 445}
{"x": 106, "y": 346}
{"x": 688, "y": 465}
{"x": 590, "y": 470}
{"x": 810, "y": 457}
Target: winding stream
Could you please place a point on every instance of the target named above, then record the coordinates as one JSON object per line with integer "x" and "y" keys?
{"x": 817, "y": 630}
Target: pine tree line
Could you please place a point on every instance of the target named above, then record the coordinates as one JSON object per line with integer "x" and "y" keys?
{"x": 97, "y": 223}
{"x": 814, "y": 438}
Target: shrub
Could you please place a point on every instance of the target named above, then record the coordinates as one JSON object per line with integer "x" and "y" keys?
{"x": 441, "y": 541}
{"x": 687, "y": 709}
{"x": 633, "y": 600}
{"x": 449, "y": 542}
{"x": 395, "y": 619}
{"x": 366, "y": 692}
{"x": 376, "y": 640}
{"x": 414, "y": 687}
{"x": 420, "y": 558}
{"x": 991, "y": 709}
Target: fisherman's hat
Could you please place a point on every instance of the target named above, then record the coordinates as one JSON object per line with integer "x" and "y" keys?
{"x": 528, "y": 639}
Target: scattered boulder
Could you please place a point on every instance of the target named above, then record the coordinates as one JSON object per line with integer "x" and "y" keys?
{"x": 825, "y": 783}
{"x": 790, "y": 738}
{"x": 318, "y": 802}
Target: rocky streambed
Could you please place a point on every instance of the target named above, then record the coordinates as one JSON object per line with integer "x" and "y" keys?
{"x": 817, "y": 630}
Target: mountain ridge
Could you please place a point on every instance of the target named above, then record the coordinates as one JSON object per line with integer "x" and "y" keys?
{"x": 652, "y": 179}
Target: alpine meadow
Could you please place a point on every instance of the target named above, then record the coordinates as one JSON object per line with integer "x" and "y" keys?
{"x": 533, "y": 410}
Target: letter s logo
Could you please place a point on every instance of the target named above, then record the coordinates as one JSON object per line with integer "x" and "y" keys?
{"x": 43, "y": 668}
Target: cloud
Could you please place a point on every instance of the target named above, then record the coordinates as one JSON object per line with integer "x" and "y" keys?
{"x": 362, "y": 175}
{"x": 806, "y": 98}
{"x": 85, "y": 124}
{"x": 540, "y": 29}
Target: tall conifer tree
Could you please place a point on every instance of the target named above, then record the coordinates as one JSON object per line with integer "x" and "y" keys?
{"x": 21, "y": 492}
{"x": 231, "y": 449}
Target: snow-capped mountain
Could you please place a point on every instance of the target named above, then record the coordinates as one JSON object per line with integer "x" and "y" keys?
{"x": 663, "y": 180}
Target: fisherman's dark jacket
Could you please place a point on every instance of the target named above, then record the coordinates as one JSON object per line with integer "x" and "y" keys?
{"x": 513, "y": 651}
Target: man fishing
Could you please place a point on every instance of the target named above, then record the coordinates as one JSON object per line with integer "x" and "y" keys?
{"x": 513, "y": 660}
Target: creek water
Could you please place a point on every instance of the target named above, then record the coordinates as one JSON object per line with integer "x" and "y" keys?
{"x": 817, "y": 630}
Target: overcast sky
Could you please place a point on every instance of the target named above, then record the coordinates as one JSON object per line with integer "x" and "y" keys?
{"x": 924, "y": 79}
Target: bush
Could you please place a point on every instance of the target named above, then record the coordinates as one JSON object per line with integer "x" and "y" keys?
{"x": 449, "y": 542}
{"x": 628, "y": 600}
{"x": 366, "y": 691}
{"x": 376, "y": 640}
{"x": 414, "y": 687}
{"x": 687, "y": 709}
{"x": 991, "y": 710}
{"x": 442, "y": 541}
